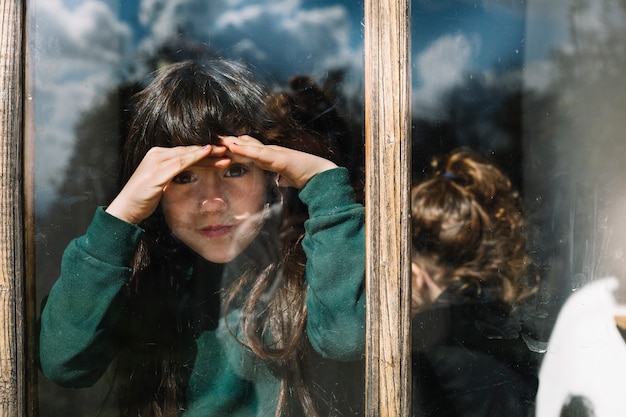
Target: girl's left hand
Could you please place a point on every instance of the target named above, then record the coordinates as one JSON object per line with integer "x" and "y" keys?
{"x": 295, "y": 168}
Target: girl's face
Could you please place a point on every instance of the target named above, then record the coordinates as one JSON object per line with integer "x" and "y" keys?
{"x": 424, "y": 289}
{"x": 217, "y": 212}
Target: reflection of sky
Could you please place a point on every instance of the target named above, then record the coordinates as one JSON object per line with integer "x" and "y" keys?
{"x": 455, "y": 40}
{"x": 79, "y": 48}
{"x": 498, "y": 34}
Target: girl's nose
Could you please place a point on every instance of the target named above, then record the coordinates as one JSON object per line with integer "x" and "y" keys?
{"x": 210, "y": 194}
{"x": 212, "y": 204}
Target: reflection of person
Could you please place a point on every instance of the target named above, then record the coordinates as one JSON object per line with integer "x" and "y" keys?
{"x": 181, "y": 280}
{"x": 469, "y": 358}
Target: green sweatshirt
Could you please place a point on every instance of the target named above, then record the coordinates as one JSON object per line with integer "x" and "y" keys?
{"x": 87, "y": 302}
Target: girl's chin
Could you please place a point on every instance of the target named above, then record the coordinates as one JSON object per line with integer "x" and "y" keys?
{"x": 220, "y": 259}
{"x": 222, "y": 254}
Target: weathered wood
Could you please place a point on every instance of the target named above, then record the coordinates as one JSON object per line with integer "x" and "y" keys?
{"x": 12, "y": 320}
{"x": 387, "y": 131}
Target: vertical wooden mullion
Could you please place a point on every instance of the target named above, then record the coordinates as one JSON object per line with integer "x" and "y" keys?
{"x": 12, "y": 316}
{"x": 387, "y": 138}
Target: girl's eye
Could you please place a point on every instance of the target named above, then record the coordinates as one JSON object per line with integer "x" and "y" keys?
{"x": 183, "y": 178}
{"x": 235, "y": 171}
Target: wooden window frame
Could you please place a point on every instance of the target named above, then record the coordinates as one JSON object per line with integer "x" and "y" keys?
{"x": 387, "y": 136}
{"x": 388, "y": 162}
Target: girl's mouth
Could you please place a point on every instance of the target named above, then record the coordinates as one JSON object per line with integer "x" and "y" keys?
{"x": 214, "y": 232}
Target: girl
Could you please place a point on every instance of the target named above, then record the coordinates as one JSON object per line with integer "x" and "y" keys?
{"x": 192, "y": 281}
{"x": 469, "y": 352}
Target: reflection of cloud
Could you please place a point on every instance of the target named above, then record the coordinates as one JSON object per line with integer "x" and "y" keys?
{"x": 538, "y": 76}
{"x": 548, "y": 26}
{"x": 90, "y": 31}
{"x": 548, "y": 30}
{"x": 164, "y": 19}
{"x": 281, "y": 37}
{"x": 75, "y": 53}
{"x": 440, "y": 67}
{"x": 592, "y": 19}
{"x": 79, "y": 50}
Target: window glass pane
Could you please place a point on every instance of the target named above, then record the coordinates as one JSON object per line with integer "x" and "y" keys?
{"x": 88, "y": 59}
{"x": 535, "y": 88}
{"x": 576, "y": 71}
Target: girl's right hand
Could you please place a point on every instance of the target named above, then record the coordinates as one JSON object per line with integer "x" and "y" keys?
{"x": 295, "y": 168}
{"x": 142, "y": 193}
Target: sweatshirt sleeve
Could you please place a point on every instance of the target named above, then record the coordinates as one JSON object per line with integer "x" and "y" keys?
{"x": 78, "y": 319}
{"x": 334, "y": 243}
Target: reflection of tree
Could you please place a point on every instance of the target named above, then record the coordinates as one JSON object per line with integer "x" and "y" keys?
{"x": 576, "y": 147}
{"x": 90, "y": 179}
{"x": 177, "y": 49}
{"x": 480, "y": 114}
{"x": 591, "y": 86}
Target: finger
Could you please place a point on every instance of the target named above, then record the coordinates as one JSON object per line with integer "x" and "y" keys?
{"x": 217, "y": 150}
{"x": 221, "y": 163}
{"x": 297, "y": 167}
{"x": 160, "y": 165}
{"x": 191, "y": 155}
{"x": 243, "y": 145}
{"x": 267, "y": 157}
{"x": 180, "y": 158}
{"x": 243, "y": 139}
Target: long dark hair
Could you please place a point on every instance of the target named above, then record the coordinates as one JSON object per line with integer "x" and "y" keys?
{"x": 191, "y": 103}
